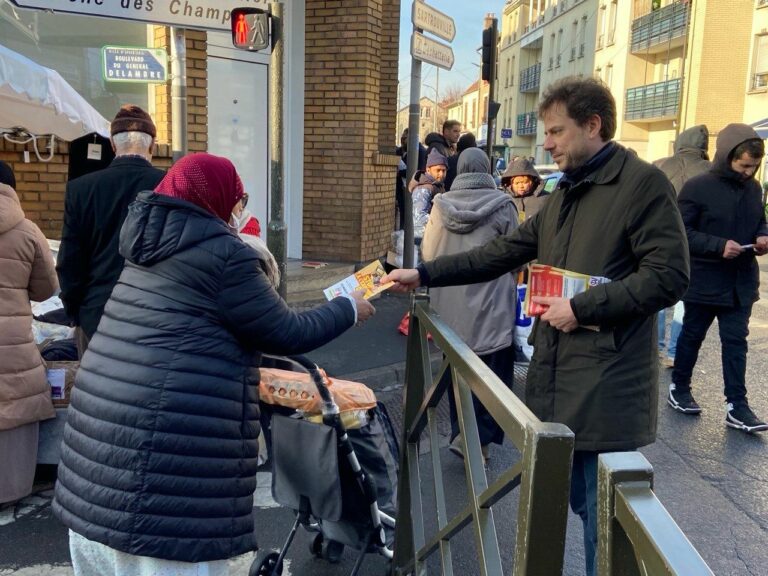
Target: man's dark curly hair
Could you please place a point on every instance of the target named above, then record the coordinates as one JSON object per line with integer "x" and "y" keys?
{"x": 582, "y": 98}
{"x": 755, "y": 148}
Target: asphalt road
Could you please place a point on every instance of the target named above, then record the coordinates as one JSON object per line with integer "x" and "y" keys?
{"x": 711, "y": 479}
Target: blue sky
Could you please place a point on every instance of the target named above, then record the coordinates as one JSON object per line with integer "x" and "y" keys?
{"x": 468, "y": 16}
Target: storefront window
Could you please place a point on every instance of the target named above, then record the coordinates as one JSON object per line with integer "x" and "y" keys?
{"x": 71, "y": 45}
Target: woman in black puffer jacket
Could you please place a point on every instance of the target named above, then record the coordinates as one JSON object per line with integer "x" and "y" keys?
{"x": 160, "y": 453}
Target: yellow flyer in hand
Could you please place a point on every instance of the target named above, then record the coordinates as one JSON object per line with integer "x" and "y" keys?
{"x": 368, "y": 279}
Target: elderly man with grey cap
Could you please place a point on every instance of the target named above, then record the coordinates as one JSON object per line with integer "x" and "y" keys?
{"x": 95, "y": 207}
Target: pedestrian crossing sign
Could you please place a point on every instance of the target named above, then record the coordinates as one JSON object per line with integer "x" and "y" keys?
{"x": 250, "y": 28}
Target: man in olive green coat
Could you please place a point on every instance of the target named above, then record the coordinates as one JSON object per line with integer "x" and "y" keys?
{"x": 612, "y": 215}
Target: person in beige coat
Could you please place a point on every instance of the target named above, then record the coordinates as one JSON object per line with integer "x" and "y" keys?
{"x": 27, "y": 273}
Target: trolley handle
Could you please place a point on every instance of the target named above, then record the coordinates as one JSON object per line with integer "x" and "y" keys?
{"x": 329, "y": 405}
{"x": 317, "y": 378}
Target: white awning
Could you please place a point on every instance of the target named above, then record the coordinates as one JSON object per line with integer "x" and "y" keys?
{"x": 761, "y": 128}
{"x": 39, "y": 100}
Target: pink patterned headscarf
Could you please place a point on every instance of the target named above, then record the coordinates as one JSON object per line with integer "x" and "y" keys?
{"x": 208, "y": 181}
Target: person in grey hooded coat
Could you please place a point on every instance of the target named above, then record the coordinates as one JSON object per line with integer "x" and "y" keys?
{"x": 472, "y": 214}
{"x": 690, "y": 159}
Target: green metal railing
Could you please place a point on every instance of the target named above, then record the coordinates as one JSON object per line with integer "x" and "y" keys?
{"x": 660, "y": 26}
{"x": 636, "y": 535}
{"x": 653, "y": 101}
{"x": 527, "y": 124}
{"x": 542, "y": 474}
{"x": 530, "y": 78}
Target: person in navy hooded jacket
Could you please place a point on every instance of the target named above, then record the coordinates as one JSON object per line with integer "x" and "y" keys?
{"x": 158, "y": 463}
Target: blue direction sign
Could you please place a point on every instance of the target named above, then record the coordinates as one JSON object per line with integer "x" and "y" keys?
{"x": 131, "y": 64}
{"x": 506, "y": 132}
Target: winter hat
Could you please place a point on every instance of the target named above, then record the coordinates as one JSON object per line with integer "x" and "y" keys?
{"x": 436, "y": 159}
{"x": 6, "y": 175}
{"x": 131, "y": 118}
{"x": 208, "y": 181}
{"x": 520, "y": 167}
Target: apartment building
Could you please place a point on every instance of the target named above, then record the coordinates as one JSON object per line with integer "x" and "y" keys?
{"x": 431, "y": 118}
{"x": 454, "y": 110}
{"x": 474, "y": 108}
{"x": 756, "y": 104}
{"x": 541, "y": 40}
{"x": 671, "y": 64}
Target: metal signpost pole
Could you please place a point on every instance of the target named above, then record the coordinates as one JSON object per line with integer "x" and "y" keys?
{"x": 276, "y": 238}
{"x": 179, "y": 142}
{"x": 413, "y": 159}
{"x": 423, "y": 49}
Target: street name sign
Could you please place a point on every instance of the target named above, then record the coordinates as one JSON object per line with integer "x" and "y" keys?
{"x": 198, "y": 14}
{"x": 433, "y": 21}
{"x": 506, "y": 132}
{"x": 133, "y": 64}
{"x": 431, "y": 51}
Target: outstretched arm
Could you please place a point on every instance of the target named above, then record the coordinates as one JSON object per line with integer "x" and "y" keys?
{"x": 257, "y": 315}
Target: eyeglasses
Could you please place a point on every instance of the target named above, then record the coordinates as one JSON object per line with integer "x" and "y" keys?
{"x": 244, "y": 200}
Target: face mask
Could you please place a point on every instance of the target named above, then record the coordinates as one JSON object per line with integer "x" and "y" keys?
{"x": 234, "y": 222}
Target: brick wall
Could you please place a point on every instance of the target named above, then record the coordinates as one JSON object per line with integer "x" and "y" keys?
{"x": 41, "y": 185}
{"x": 197, "y": 91}
{"x": 350, "y": 115}
{"x": 721, "y": 64}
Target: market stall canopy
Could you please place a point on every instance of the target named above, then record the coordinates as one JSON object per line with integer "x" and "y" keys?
{"x": 761, "y": 128}
{"x": 41, "y": 102}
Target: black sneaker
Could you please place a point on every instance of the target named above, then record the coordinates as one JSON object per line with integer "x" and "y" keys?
{"x": 682, "y": 401}
{"x": 740, "y": 417}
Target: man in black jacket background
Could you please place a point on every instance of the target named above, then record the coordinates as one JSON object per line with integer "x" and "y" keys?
{"x": 95, "y": 208}
{"x": 444, "y": 143}
{"x": 723, "y": 215}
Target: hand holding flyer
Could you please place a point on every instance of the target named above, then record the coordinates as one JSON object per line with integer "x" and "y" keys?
{"x": 367, "y": 279}
{"x": 550, "y": 281}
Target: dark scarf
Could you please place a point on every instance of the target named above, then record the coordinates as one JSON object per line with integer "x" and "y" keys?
{"x": 572, "y": 177}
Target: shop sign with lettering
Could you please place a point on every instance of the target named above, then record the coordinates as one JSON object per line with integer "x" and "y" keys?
{"x": 197, "y": 14}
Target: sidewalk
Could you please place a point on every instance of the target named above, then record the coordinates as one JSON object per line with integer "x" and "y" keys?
{"x": 711, "y": 479}
{"x": 375, "y": 349}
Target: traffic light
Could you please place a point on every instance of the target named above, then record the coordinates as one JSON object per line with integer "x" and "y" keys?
{"x": 489, "y": 51}
{"x": 493, "y": 109}
{"x": 250, "y": 28}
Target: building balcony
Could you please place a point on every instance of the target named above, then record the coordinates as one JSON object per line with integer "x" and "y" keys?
{"x": 661, "y": 29}
{"x": 526, "y": 124}
{"x": 653, "y": 102}
{"x": 533, "y": 34}
{"x": 530, "y": 78}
